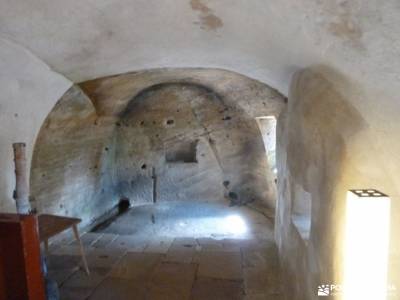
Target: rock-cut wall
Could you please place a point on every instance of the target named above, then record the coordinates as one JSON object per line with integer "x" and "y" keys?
{"x": 154, "y": 136}
{"x": 199, "y": 146}
{"x": 72, "y": 165}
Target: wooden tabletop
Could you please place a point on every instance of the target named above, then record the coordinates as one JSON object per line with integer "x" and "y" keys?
{"x": 51, "y": 225}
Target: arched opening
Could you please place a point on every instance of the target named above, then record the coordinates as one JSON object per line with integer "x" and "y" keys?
{"x": 195, "y": 143}
{"x": 175, "y": 172}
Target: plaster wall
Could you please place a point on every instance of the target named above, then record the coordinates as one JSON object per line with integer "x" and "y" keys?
{"x": 29, "y": 90}
{"x": 323, "y": 140}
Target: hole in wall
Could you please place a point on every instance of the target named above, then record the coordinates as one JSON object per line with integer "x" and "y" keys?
{"x": 123, "y": 205}
{"x": 233, "y": 195}
{"x": 234, "y": 198}
{"x": 185, "y": 151}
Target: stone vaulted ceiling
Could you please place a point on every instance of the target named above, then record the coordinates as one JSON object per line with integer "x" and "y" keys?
{"x": 266, "y": 40}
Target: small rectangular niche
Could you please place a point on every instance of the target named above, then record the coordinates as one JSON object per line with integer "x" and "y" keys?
{"x": 182, "y": 152}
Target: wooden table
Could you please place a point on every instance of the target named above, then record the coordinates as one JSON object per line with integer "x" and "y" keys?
{"x": 20, "y": 266}
{"x": 51, "y": 225}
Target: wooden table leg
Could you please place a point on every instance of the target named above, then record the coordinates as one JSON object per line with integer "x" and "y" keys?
{"x": 76, "y": 233}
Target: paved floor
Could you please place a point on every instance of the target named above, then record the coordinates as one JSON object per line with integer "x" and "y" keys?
{"x": 168, "y": 263}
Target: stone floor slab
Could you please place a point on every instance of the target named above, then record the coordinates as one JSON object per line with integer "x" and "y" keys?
{"x": 138, "y": 266}
{"x": 262, "y": 297}
{"x": 221, "y": 265}
{"x": 69, "y": 250}
{"x": 185, "y": 256}
{"x": 255, "y": 280}
{"x": 60, "y": 276}
{"x": 261, "y": 280}
{"x": 88, "y": 239}
{"x": 119, "y": 289}
{"x": 104, "y": 258}
{"x": 81, "y": 279}
{"x": 61, "y": 267}
{"x": 105, "y": 240}
{"x": 217, "y": 289}
{"x": 183, "y": 244}
{"x": 208, "y": 244}
{"x": 75, "y": 293}
{"x": 131, "y": 243}
{"x": 160, "y": 245}
{"x": 172, "y": 281}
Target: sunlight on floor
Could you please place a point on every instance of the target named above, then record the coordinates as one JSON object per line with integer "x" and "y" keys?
{"x": 191, "y": 219}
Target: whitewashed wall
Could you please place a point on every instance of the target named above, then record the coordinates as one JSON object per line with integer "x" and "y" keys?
{"x": 29, "y": 90}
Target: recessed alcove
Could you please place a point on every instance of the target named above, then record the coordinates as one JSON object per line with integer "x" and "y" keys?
{"x": 147, "y": 172}
{"x": 149, "y": 149}
{"x": 182, "y": 152}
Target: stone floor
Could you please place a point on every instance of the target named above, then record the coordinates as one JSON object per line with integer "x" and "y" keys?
{"x": 205, "y": 266}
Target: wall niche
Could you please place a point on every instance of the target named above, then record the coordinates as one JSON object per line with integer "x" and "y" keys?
{"x": 182, "y": 152}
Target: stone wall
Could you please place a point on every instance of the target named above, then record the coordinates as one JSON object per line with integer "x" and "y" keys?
{"x": 72, "y": 165}
{"x": 225, "y": 152}
{"x": 201, "y": 141}
{"x": 325, "y": 147}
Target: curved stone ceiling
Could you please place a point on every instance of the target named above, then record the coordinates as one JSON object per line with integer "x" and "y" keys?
{"x": 266, "y": 40}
